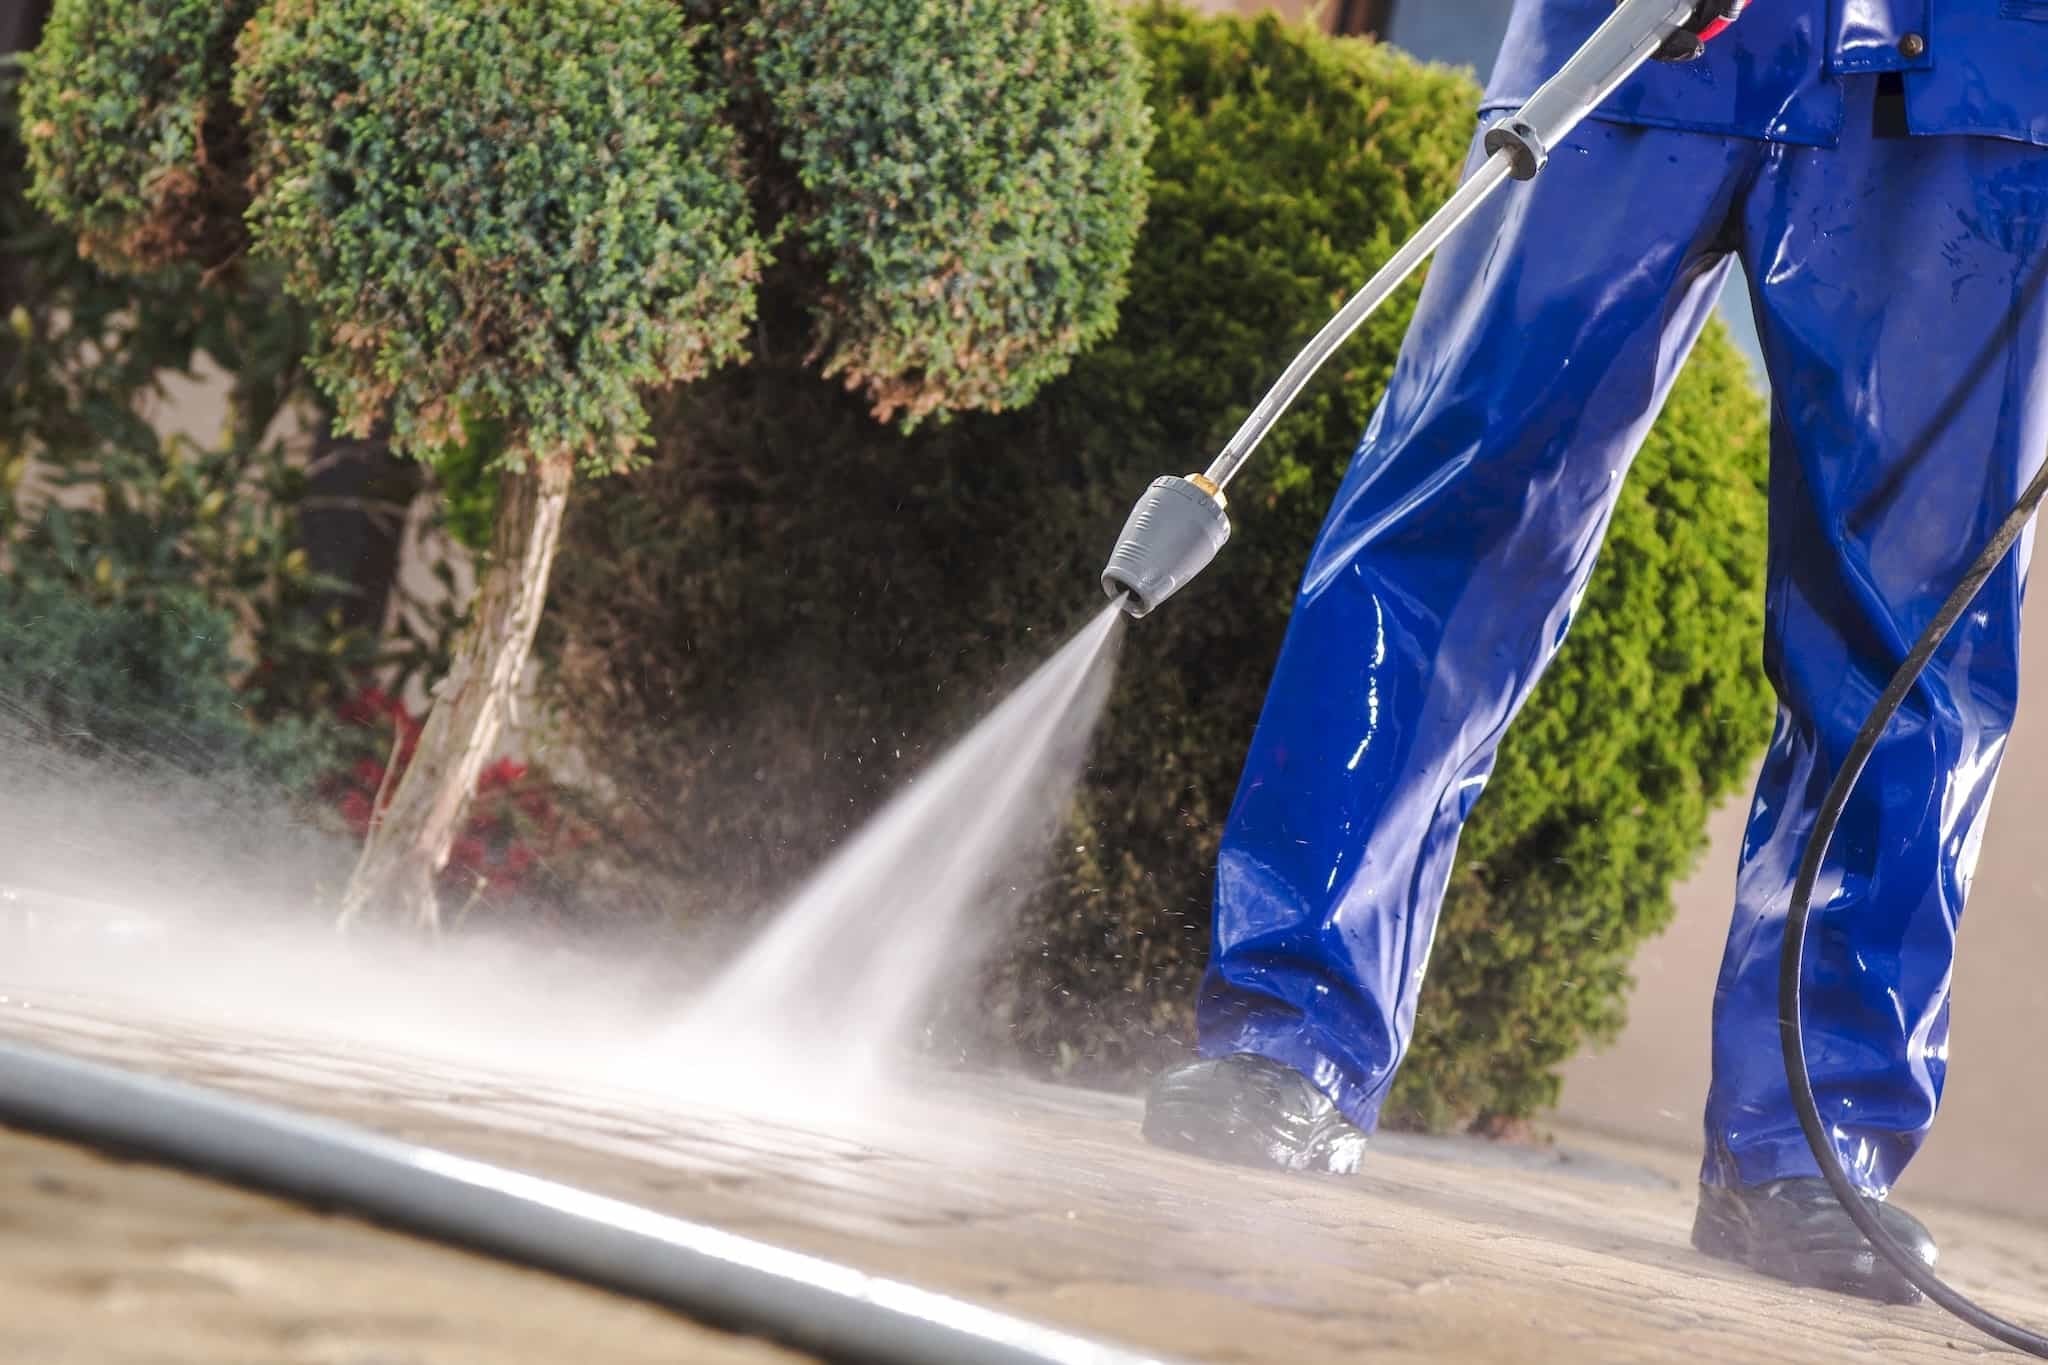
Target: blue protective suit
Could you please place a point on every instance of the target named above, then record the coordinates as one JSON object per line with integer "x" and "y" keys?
{"x": 1900, "y": 285}
{"x": 1968, "y": 66}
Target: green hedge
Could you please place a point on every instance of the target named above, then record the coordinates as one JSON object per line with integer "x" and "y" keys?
{"x": 784, "y": 641}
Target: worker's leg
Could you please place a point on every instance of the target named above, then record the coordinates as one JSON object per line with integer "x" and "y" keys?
{"x": 1443, "y": 580}
{"x": 1901, "y": 286}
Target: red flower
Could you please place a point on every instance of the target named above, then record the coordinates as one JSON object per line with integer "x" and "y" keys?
{"x": 515, "y": 824}
{"x": 503, "y": 773}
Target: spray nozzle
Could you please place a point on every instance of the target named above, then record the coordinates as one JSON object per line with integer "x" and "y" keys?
{"x": 1171, "y": 535}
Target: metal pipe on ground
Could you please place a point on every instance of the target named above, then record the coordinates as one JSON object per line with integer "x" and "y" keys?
{"x": 716, "y": 1277}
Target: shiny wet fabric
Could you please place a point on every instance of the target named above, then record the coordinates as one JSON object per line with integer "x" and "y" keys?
{"x": 1898, "y": 287}
{"x": 1965, "y": 66}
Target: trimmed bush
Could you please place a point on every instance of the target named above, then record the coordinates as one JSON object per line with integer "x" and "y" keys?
{"x": 507, "y": 221}
{"x": 971, "y": 180}
{"x": 787, "y": 641}
{"x": 506, "y": 218}
{"x": 131, "y": 135}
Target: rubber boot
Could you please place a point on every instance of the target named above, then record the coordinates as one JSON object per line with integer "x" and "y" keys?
{"x": 1794, "y": 1230}
{"x": 1251, "y": 1111}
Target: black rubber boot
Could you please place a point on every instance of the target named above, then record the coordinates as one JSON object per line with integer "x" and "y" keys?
{"x": 1794, "y": 1230}
{"x": 1253, "y": 1112}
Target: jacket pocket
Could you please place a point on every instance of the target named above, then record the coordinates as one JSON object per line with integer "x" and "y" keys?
{"x": 2036, "y": 10}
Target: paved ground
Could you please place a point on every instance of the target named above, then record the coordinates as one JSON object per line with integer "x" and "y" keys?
{"x": 105, "y": 1263}
{"x": 1034, "y": 1199}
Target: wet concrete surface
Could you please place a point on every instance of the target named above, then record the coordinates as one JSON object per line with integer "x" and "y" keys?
{"x": 1034, "y": 1199}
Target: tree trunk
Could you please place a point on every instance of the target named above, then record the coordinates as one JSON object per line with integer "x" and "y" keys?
{"x": 21, "y": 23}
{"x": 1362, "y": 17}
{"x": 409, "y": 842}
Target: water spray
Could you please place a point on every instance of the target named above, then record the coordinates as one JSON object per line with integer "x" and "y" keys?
{"x": 1180, "y": 524}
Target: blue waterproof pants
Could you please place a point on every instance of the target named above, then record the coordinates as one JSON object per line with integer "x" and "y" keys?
{"x": 1901, "y": 289}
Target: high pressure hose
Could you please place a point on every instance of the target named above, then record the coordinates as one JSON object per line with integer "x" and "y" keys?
{"x": 1791, "y": 961}
{"x": 830, "y": 1310}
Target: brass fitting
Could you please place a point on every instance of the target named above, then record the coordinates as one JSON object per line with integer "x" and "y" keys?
{"x": 1209, "y": 486}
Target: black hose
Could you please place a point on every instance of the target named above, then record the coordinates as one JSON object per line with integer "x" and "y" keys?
{"x": 1791, "y": 961}
{"x": 733, "y": 1282}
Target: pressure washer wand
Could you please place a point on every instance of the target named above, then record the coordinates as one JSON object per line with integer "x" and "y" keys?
{"x": 1180, "y": 523}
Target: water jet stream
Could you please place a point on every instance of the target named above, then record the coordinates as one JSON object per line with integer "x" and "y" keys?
{"x": 841, "y": 977}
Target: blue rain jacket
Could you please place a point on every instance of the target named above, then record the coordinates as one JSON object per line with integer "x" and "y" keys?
{"x": 1900, "y": 285}
{"x": 1969, "y": 66}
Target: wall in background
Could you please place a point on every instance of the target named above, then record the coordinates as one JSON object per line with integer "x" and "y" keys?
{"x": 1461, "y": 32}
